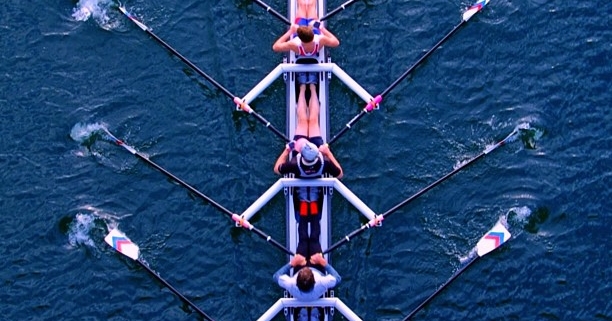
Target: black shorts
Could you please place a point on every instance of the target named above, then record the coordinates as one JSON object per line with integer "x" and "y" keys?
{"x": 317, "y": 140}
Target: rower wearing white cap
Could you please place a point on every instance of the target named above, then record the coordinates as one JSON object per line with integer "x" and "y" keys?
{"x": 311, "y": 156}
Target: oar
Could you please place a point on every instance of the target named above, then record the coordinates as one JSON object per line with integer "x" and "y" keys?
{"x": 176, "y": 53}
{"x": 241, "y": 104}
{"x": 494, "y": 238}
{"x": 273, "y": 12}
{"x": 125, "y": 246}
{"x": 374, "y": 103}
{"x": 375, "y": 221}
{"x": 235, "y": 217}
{"x": 335, "y": 11}
{"x": 286, "y": 21}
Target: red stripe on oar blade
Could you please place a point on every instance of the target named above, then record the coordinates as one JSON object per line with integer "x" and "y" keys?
{"x": 474, "y": 9}
{"x": 122, "y": 244}
{"x": 497, "y": 236}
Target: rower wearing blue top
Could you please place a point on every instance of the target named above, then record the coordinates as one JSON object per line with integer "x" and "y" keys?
{"x": 309, "y": 283}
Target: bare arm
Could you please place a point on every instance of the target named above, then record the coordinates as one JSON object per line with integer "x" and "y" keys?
{"x": 319, "y": 259}
{"x": 324, "y": 149}
{"x": 283, "y": 43}
{"x": 329, "y": 39}
{"x": 281, "y": 159}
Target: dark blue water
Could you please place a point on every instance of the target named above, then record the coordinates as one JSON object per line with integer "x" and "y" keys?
{"x": 542, "y": 64}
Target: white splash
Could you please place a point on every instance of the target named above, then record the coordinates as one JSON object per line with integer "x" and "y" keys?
{"x": 518, "y": 214}
{"x": 111, "y": 220}
{"x": 80, "y": 229}
{"x": 523, "y": 126}
{"x": 470, "y": 256}
{"x": 96, "y": 9}
{"x": 82, "y": 132}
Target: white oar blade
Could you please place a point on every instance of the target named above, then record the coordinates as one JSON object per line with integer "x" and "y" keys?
{"x": 474, "y": 9}
{"x": 122, "y": 244}
{"x": 497, "y": 236}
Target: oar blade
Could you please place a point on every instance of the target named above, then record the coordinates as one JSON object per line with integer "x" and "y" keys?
{"x": 474, "y": 9}
{"x": 117, "y": 240}
{"x": 494, "y": 238}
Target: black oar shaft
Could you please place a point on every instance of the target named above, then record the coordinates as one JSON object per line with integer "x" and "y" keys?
{"x": 266, "y": 123}
{"x": 190, "y": 64}
{"x": 200, "y": 72}
{"x": 184, "y": 184}
{"x": 346, "y": 238}
{"x": 452, "y": 278}
{"x": 335, "y": 11}
{"x": 430, "y": 186}
{"x": 396, "y": 82}
{"x": 402, "y": 204}
{"x": 453, "y": 172}
{"x": 273, "y": 12}
{"x": 174, "y": 51}
{"x": 211, "y": 201}
{"x": 271, "y": 240}
{"x": 395, "y": 208}
{"x": 416, "y": 64}
{"x": 175, "y": 291}
{"x": 348, "y": 126}
{"x": 218, "y": 206}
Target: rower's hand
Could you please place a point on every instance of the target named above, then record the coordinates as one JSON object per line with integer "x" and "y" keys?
{"x": 324, "y": 149}
{"x": 298, "y": 260}
{"x": 293, "y": 28}
{"x": 290, "y": 146}
{"x": 318, "y": 259}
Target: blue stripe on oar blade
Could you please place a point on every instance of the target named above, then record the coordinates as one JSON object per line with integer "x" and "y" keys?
{"x": 497, "y": 236}
{"x": 122, "y": 244}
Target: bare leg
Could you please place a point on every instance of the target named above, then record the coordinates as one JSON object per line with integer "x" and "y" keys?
{"x": 313, "y": 108}
{"x": 307, "y": 9}
{"x": 302, "y": 115}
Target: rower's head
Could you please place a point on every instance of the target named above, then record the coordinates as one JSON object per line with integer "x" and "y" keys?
{"x": 310, "y": 153}
{"x": 305, "y": 33}
{"x": 305, "y": 279}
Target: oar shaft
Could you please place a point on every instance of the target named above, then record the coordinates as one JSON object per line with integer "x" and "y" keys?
{"x": 348, "y": 126}
{"x": 362, "y": 229}
{"x": 273, "y": 12}
{"x": 184, "y": 184}
{"x": 398, "y": 80}
{"x": 425, "y": 56}
{"x": 196, "y": 192}
{"x": 266, "y": 123}
{"x": 199, "y": 71}
{"x": 175, "y": 291}
{"x": 347, "y": 238}
{"x": 191, "y": 65}
{"x": 452, "y": 278}
{"x": 430, "y": 186}
{"x": 263, "y": 235}
{"x": 270, "y": 240}
{"x": 335, "y": 11}
{"x": 395, "y": 208}
{"x": 447, "y": 176}
{"x": 176, "y": 53}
